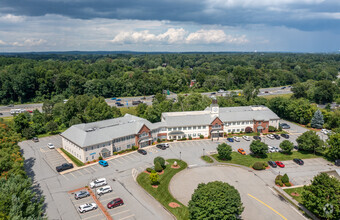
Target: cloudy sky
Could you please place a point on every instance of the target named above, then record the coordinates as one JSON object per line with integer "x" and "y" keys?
{"x": 170, "y": 25}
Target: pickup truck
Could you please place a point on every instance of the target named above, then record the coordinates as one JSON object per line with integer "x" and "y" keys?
{"x": 136, "y": 102}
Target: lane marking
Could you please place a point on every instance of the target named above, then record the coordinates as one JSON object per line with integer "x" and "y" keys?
{"x": 128, "y": 156}
{"x": 65, "y": 177}
{"x": 127, "y": 217}
{"x": 93, "y": 168}
{"x": 123, "y": 158}
{"x": 87, "y": 171}
{"x": 267, "y": 206}
{"x": 104, "y": 200}
{"x": 92, "y": 216}
{"x": 73, "y": 175}
{"x": 134, "y": 156}
{"x": 118, "y": 161}
{"x": 120, "y": 212}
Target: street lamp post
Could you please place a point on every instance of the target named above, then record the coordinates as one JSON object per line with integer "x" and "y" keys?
{"x": 180, "y": 155}
{"x": 203, "y": 151}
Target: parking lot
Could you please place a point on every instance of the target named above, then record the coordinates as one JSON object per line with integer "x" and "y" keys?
{"x": 93, "y": 214}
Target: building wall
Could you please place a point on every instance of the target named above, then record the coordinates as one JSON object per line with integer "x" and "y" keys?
{"x": 264, "y": 124}
{"x": 237, "y": 126}
{"x": 93, "y": 152}
{"x": 216, "y": 122}
{"x": 193, "y": 131}
{"x": 73, "y": 149}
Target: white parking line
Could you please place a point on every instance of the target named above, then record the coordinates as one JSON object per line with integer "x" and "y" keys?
{"x": 73, "y": 175}
{"x": 104, "y": 200}
{"x": 133, "y": 155}
{"x": 87, "y": 171}
{"x": 92, "y": 168}
{"x": 127, "y": 217}
{"x": 123, "y": 158}
{"x": 65, "y": 177}
{"x": 120, "y": 212}
{"x": 80, "y": 172}
{"x": 92, "y": 216}
{"x": 118, "y": 161}
{"x": 128, "y": 156}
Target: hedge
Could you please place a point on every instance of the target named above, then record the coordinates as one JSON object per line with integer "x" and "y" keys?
{"x": 259, "y": 165}
{"x": 73, "y": 158}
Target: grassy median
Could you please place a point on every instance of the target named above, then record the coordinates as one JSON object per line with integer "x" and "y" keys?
{"x": 162, "y": 194}
{"x": 207, "y": 159}
{"x": 297, "y": 193}
{"x": 249, "y": 160}
{"x": 74, "y": 160}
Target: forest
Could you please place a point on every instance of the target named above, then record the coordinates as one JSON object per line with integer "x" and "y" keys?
{"x": 35, "y": 78}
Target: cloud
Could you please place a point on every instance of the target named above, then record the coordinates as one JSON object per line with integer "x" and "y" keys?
{"x": 179, "y": 36}
{"x": 289, "y": 13}
{"x": 27, "y": 43}
{"x": 2, "y": 42}
{"x": 10, "y": 18}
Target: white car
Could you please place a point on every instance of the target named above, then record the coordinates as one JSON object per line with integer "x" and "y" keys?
{"x": 271, "y": 149}
{"x": 270, "y": 136}
{"x": 325, "y": 131}
{"x": 246, "y": 138}
{"x": 277, "y": 149}
{"x": 98, "y": 182}
{"x": 103, "y": 190}
{"x": 87, "y": 207}
{"x": 50, "y": 145}
{"x": 237, "y": 139}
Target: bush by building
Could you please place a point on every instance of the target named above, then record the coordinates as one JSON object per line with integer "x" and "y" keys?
{"x": 259, "y": 165}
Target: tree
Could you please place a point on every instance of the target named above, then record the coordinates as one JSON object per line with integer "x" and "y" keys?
{"x": 51, "y": 126}
{"x": 248, "y": 130}
{"x": 158, "y": 167}
{"x": 333, "y": 151}
{"x": 224, "y": 151}
{"x": 309, "y": 141}
{"x": 141, "y": 109}
{"x": 300, "y": 90}
{"x": 160, "y": 160}
{"x": 21, "y": 121}
{"x": 153, "y": 177}
{"x": 258, "y": 147}
{"x": 286, "y": 146}
{"x": 249, "y": 91}
{"x": 317, "y": 120}
{"x": 97, "y": 109}
{"x": 215, "y": 200}
{"x": 325, "y": 91}
{"x": 322, "y": 197}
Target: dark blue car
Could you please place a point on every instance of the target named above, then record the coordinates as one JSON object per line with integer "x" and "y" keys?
{"x": 118, "y": 100}
{"x": 230, "y": 139}
{"x": 103, "y": 163}
{"x": 114, "y": 98}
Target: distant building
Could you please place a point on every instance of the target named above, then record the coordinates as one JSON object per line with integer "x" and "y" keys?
{"x": 164, "y": 64}
{"x": 192, "y": 83}
{"x": 89, "y": 141}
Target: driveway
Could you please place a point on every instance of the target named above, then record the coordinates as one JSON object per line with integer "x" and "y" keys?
{"x": 256, "y": 196}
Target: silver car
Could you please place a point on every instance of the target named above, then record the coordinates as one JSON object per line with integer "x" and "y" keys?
{"x": 81, "y": 194}
{"x": 87, "y": 207}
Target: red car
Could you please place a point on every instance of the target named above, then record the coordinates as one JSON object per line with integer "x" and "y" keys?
{"x": 114, "y": 203}
{"x": 280, "y": 164}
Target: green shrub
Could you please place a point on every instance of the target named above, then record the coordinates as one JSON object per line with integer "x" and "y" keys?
{"x": 278, "y": 182}
{"x": 265, "y": 164}
{"x": 149, "y": 169}
{"x": 201, "y": 136}
{"x": 259, "y": 166}
{"x": 134, "y": 148}
{"x": 183, "y": 138}
{"x": 272, "y": 129}
{"x": 158, "y": 167}
{"x": 278, "y": 177}
{"x": 158, "y": 140}
{"x": 160, "y": 160}
{"x": 288, "y": 184}
{"x": 100, "y": 157}
{"x": 285, "y": 179}
{"x": 190, "y": 138}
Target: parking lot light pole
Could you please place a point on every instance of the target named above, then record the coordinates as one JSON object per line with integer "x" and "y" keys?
{"x": 180, "y": 155}
{"x": 203, "y": 152}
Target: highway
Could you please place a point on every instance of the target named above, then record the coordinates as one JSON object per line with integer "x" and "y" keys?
{"x": 127, "y": 101}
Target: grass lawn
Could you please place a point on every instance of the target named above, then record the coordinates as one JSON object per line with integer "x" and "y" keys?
{"x": 298, "y": 190}
{"x": 130, "y": 110}
{"x": 162, "y": 194}
{"x": 249, "y": 160}
{"x": 8, "y": 118}
{"x": 269, "y": 97}
{"x": 207, "y": 159}
{"x": 75, "y": 160}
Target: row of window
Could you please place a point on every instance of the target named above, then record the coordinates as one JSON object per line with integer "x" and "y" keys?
{"x": 239, "y": 123}
{"x": 124, "y": 138}
{"x": 188, "y": 135}
{"x": 96, "y": 146}
{"x": 235, "y": 130}
{"x": 70, "y": 150}
{"x": 187, "y": 128}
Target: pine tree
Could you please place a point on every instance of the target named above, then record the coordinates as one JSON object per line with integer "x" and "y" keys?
{"x": 317, "y": 120}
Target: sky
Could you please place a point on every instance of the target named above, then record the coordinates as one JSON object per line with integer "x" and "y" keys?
{"x": 170, "y": 25}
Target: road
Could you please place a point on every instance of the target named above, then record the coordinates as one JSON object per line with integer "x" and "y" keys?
{"x": 127, "y": 101}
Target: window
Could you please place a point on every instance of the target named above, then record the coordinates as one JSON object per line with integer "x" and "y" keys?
{"x": 194, "y": 128}
{"x": 194, "y": 135}
{"x": 92, "y": 157}
{"x": 85, "y": 148}
{"x": 238, "y": 123}
{"x": 175, "y": 129}
{"x": 233, "y": 130}
{"x": 234, "y": 123}
{"x": 242, "y": 129}
{"x": 87, "y": 158}
{"x": 199, "y": 127}
{"x": 189, "y": 128}
{"x": 204, "y": 127}
{"x": 184, "y": 128}
{"x": 169, "y": 129}
{"x": 179, "y": 128}
{"x": 92, "y": 148}
{"x": 243, "y": 122}
{"x": 238, "y": 130}
{"x": 229, "y": 130}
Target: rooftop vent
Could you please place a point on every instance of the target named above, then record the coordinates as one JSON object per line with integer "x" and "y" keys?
{"x": 90, "y": 129}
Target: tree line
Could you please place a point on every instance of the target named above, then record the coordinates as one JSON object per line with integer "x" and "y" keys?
{"x": 36, "y": 78}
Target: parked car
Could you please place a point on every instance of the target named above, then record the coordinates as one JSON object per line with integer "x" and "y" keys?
{"x": 114, "y": 203}
{"x": 81, "y": 194}
{"x": 166, "y": 145}
{"x": 230, "y": 139}
{"x": 87, "y": 207}
{"x": 271, "y": 149}
{"x": 136, "y": 102}
{"x": 104, "y": 189}
{"x": 296, "y": 147}
{"x": 118, "y": 100}
{"x": 1, "y": 113}
{"x": 245, "y": 137}
{"x": 10, "y": 105}
{"x": 98, "y": 182}
{"x": 283, "y": 87}
{"x": 64, "y": 166}
{"x": 35, "y": 139}
{"x": 114, "y": 98}
{"x": 325, "y": 131}
{"x": 237, "y": 139}
{"x": 257, "y": 138}
{"x": 285, "y": 136}
{"x": 161, "y": 146}
{"x": 213, "y": 93}
{"x": 280, "y": 164}
{"x": 241, "y": 151}
{"x": 143, "y": 98}
{"x": 270, "y": 136}
{"x": 142, "y": 151}
{"x": 103, "y": 163}
{"x": 277, "y": 149}
{"x": 29, "y": 111}
{"x": 50, "y": 145}
{"x": 266, "y": 92}
{"x": 285, "y": 126}
{"x": 298, "y": 161}
{"x": 272, "y": 164}
{"x": 276, "y": 136}
{"x": 119, "y": 104}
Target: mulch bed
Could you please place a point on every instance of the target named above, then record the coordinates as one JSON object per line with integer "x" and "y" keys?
{"x": 295, "y": 194}
{"x": 160, "y": 173}
{"x": 175, "y": 167}
{"x": 154, "y": 186}
{"x": 174, "y": 205}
